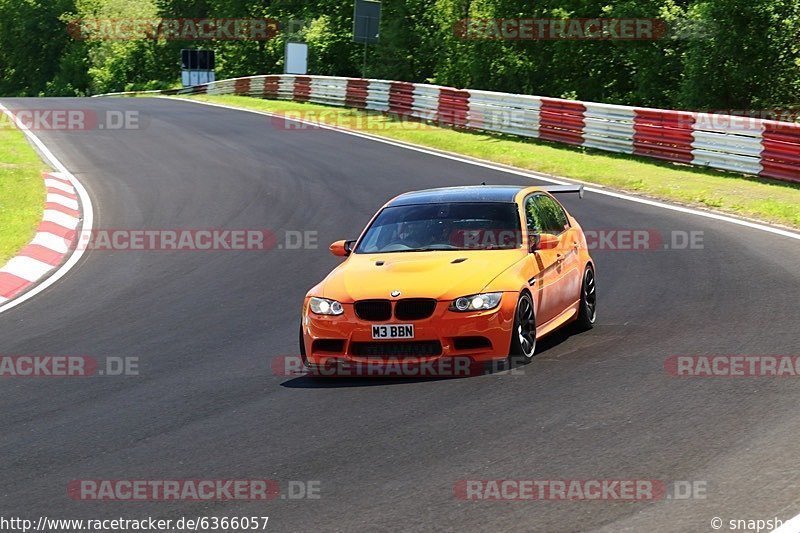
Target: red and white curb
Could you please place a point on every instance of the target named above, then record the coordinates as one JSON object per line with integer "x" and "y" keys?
{"x": 52, "y": 243}
{"x": 52, "y": 252}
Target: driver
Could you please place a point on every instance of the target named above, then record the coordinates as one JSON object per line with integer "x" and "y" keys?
{"x": 408, "y": 234}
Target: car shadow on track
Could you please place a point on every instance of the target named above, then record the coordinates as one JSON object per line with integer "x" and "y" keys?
{"x": 555, "y": 339}
{"x": 503, "y": 369}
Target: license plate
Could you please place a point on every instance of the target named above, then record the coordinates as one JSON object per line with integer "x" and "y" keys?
{"x": 393, "y": 331}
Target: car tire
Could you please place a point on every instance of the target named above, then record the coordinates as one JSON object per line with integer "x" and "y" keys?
{"x": 523, "y": 336}
{"x": 587, "y": 312}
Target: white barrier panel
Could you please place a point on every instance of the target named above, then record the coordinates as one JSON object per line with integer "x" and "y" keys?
{"x": 609, "y": 128}
{"x": 378, "y": 95}
{"x": 496, "y": 112}
{"x": 328, "y": 90}
{"x": 286, "y": 87}
{"x": 426, "y": 102}
{"x": 728, "y": 142}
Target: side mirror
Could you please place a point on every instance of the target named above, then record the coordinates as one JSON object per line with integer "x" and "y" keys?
{"x": 342, "y": 248}
{"x": 544, "y": 241}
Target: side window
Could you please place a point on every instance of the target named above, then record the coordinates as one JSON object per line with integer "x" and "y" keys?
{"x": 553, "y": 217}
{"x": 533, "y": 215}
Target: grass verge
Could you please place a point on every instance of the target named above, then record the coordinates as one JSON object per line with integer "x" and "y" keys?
{"x": 752, "y": 197}
{"x": 22, "y": 191}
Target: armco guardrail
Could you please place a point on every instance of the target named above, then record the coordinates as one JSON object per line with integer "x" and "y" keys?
{"x": 735, "y": 143}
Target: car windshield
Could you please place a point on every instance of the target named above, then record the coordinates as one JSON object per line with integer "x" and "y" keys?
{"x": 446, "y": 226}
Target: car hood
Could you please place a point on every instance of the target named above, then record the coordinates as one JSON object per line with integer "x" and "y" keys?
{"x": 440, "y": 275}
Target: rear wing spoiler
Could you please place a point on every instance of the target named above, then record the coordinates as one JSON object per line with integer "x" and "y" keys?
{"x": 564, "y": 189}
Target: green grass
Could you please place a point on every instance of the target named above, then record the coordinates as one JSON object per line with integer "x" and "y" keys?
{"x": 763, "y": 199}
{"x": 22, "y": 191}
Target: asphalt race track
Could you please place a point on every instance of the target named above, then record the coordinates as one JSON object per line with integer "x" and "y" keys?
{"x": 387, "y": 454}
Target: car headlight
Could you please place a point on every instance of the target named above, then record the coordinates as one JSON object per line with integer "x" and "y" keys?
{"x": 323, "y": 306}
{"x": 477, "y": 302}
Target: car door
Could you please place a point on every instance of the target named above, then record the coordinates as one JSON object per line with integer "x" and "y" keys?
{"x": 568, "y": 282}
{"x": 543, "y": 265}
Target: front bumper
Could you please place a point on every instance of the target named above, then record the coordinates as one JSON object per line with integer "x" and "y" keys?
{"x": 480, "y": 337}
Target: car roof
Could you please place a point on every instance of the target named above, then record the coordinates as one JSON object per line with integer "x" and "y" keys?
{"x": 471, "y": 194}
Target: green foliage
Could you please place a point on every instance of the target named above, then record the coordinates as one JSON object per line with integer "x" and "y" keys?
{"x": 716, "y": 54}
{"x": 752, "y": 57}
{"x": 32, "y": 40}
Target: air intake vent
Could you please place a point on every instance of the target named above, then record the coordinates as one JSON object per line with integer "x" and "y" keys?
{"x": 396, "y": 349}
{"x": 328, "y": 345}
{"x": 471, "y": 343}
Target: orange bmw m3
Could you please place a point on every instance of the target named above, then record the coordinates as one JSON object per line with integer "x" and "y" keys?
{"x": 478, "y": 272}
